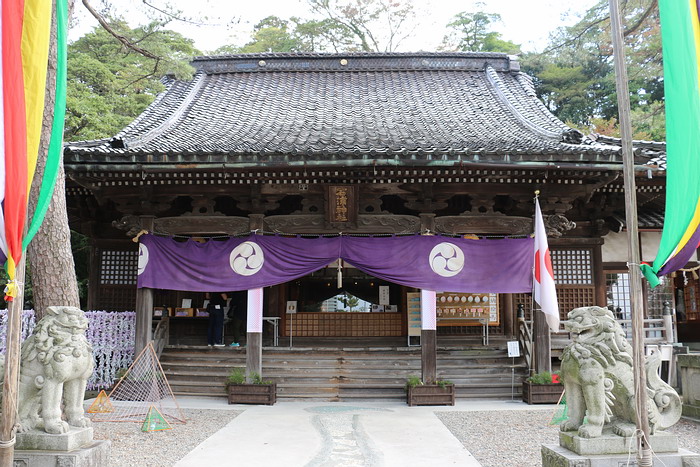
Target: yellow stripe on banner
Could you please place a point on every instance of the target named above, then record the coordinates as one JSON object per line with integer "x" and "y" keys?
{"x": 695, "y": 22}
{"x": 35, "y": 56}
{"x": 692, "y": 227}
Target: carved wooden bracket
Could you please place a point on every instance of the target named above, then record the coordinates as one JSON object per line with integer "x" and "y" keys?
{"x": 202, "y": 225}
{"x": 497, "y": 225}
{"x": 556, "y": 224}
{"x": 131, "y": 224}
{"x": 366, "y": 223}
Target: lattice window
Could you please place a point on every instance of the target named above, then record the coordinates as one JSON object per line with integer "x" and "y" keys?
{"x": 617, "y": 289}
{"x": 524, "y": 299}
{"x": 658, "y": 295}
{"x": 116, "y": 298}
{"x": 691, "y": 295}
{"x": 118, "y": 267}
{"x": 573, "y": 266}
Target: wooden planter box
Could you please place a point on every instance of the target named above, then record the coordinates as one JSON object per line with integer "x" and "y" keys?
{"x": 261, "y": 394}
{"x": 431, "y": 394}
{"x": 542, "y": 393}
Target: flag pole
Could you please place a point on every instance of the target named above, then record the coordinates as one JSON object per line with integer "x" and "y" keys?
{"x": 636, "y": 299}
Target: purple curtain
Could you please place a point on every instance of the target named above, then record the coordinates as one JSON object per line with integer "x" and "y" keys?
{"x": 426, "y": 262}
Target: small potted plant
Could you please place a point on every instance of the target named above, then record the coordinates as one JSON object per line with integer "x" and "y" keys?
{"x": 255, "y": 390}
{"x": 439, "y": 392}
{"x": 542, "y": 388}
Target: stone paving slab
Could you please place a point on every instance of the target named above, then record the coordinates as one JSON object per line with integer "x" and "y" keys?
{"x": 323, "y": 434}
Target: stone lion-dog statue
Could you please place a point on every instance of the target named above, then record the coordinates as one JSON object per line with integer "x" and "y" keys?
{"x": 598, "y": 379}
{"x": 56, "y": 362}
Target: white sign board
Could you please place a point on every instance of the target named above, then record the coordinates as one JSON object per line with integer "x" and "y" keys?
{"x": 291, "y": 306}
{"x": 383, "y": 294}
{"x": 513, "y": 349}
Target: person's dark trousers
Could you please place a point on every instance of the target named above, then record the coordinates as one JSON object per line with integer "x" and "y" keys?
{"x": 237, "y": 329}
{"x": 216, "y": 327}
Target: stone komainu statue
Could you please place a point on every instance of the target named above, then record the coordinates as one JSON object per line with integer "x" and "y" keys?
{"x": 598, "y": 378}
{"x": 56, "y": 362}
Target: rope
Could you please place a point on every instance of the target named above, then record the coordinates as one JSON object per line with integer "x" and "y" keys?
{"x": 278, "y": 233}
{"x": 7, "y": 444}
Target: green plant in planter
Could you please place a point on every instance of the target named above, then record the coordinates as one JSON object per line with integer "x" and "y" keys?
{"x": 443, "y": 383}
{"x": 544, "y": 377}
{"x": 255, "y": 378}
{"x": 413, "y": 381}
{"x": 236, "y": 376}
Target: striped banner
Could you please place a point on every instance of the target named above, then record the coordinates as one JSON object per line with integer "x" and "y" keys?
{"x": 680, "y": 34}
{"x": 25, "y": 37}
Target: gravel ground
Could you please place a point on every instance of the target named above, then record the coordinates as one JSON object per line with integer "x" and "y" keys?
{"x": 506, "y": 438}
{"x": 132, "y": 447}
{"x": 513, "y": 438}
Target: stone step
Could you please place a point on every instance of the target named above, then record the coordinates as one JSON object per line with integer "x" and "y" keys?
{"x": 344, "y": 374}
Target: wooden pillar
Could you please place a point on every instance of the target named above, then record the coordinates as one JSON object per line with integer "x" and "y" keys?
{"x": 601, "y": 297}
{"x": 253, "y": 350}
{"x": 510, "y": 326}
{"x": 542, "y": 343}
{"x": 428, "y": 332}
{"x": 94, "y": 276}
{"x": 144, "y": 304}
{"x": 428, "y": 336}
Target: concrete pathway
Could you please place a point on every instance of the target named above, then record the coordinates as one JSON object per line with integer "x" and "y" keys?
{"x": 332, "y": 434}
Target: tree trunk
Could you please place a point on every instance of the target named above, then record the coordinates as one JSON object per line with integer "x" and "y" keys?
{"x": 49, "y": 254}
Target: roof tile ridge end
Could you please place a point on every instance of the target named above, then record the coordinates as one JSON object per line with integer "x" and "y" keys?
{"x": 502, "y": 94}
{"x": 177, "y": 113}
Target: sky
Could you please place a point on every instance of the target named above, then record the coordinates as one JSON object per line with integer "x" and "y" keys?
{"x": 525, "y": 22}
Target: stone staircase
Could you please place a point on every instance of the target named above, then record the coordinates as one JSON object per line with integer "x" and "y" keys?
{"x": 345, "y": 374}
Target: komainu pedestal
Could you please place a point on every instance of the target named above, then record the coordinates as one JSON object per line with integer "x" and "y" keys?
{"x": 598, "y": 379}
{"x": 55, "y": 364}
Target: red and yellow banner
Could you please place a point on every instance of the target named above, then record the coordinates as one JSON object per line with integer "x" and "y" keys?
{"x": 25, "y": 37}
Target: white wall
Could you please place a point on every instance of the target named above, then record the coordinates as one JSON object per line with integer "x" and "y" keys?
{"x": 615, "y": 247}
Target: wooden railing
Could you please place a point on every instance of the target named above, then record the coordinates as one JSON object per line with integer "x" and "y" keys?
{"x": 525, "y": 339}
{"x": 161, "y": 335}
{"x": 655, "y": 331}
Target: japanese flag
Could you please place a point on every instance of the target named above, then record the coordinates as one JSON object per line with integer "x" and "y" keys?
{"x": 545, "y": 292}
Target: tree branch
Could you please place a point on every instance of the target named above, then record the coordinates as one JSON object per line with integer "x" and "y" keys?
{"x": 124, "y": 40}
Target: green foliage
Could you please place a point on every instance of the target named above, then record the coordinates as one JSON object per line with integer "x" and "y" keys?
{"x": 338, "y": 26}
{"x": 236, "y": 376}
{"x": 443, "y": 383}
{"x": 255, "y": 378}
{"x": 350, "y": 301}
{"x": 413, "y": 381}
{"x": 544, "y": 377}
{"x": 110, "y": 84}
{"x": 471, "y": 33}
{"x": 575, "y": 78}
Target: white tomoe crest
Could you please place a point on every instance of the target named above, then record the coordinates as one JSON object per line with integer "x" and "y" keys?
{"x": 143, "y": 258}
{"x": 247, "y": 259}
{"x": 446, "y": 259}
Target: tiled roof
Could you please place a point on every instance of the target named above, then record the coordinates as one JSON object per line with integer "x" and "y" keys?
{"x": 284, "y": 109}
{"x": 647, "y": 218}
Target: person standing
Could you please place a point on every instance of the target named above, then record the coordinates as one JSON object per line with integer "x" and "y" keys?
{"x": 238, "y": 312}
{"x": 215, "y": 308}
